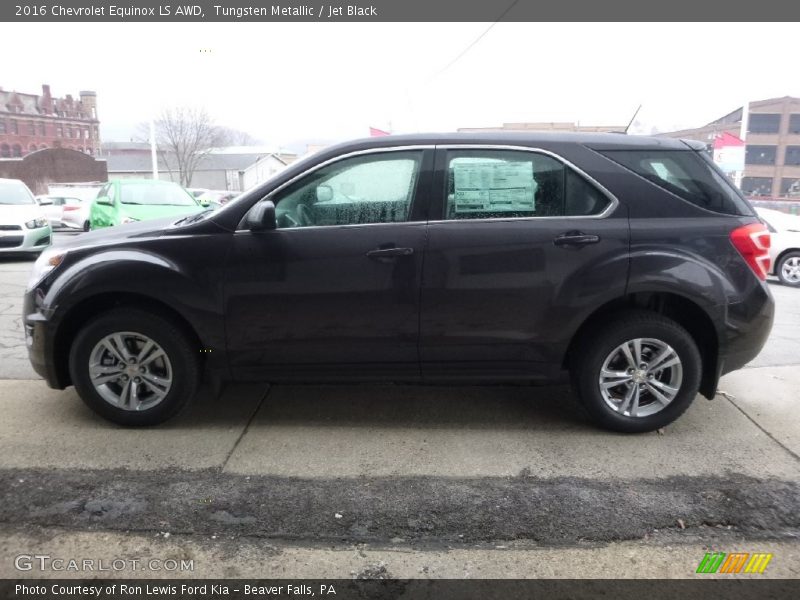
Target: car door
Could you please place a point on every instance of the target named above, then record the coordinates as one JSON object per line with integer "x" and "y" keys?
{"x": 333, "y": 291}
{"x": 103, "y": 211}
{"x": 523, "y": 247}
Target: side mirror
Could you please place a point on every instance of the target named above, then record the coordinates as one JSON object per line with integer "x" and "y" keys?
{"x": 262, "y": 216}
{"x": 44, "y": 202}
{"x": 104, "y": 200}
{"x": 324, "y": 193}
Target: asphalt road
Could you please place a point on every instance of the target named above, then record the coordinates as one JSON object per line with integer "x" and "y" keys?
{"x": 407, "y": 481}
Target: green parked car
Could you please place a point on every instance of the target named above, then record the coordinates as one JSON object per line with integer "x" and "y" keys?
{"x": 128, "y": 200}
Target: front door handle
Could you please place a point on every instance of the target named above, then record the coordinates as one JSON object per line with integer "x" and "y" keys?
{"x": 576, "y": 238}
{"x": 389, "y": 254}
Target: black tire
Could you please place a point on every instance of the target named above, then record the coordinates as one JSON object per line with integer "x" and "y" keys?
{"x": 779, "y": 268}
{"x": 599, "y": 342}
{"x": 87, "y": 226}
{"x": 182, "y": 353}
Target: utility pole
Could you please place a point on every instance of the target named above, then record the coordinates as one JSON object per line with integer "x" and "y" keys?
{"x": 739, "y": 175}
{"x": 153, "y": 153}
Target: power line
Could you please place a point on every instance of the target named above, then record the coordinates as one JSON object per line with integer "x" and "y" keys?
{"x": 474, "y": 42}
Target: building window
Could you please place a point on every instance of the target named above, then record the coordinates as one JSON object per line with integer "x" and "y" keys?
{"x": 59, "y": 130}
{"x": 5, "y": 151}
{"x": 2, "y": 126}
{"x": 757, "y": 186}
{"x": 794, "y": 124}
{"x": 790, "y": 186}
{"x": 760, "y": 155}
{"x": 32, "y": 148}
{"x": 42, "y": 130}
{"x": 16, "y": 150}
{"x": 14, "y": 127}
{"x": 792, "y": 155}
{"x": 764, "y": 123}
{"x": 69, "y": 131}
{"x": 31, "y": 128}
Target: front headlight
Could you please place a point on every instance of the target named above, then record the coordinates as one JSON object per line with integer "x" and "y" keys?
{"x": 36, "y": 223}
{"x": 47, "y": 261}
{"x": 129, "y": 220}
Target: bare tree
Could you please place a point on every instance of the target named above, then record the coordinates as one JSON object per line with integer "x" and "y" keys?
{"x": 187, "y": 134}
{"x": 237, "y": 137}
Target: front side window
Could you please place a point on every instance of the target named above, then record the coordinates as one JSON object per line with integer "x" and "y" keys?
{"x": 377, "y": 188}
{"x": 498, "y": 184}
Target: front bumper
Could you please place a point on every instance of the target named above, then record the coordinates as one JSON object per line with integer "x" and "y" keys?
{"x": 39, "y": 339}
{"x": 25, "y": 240}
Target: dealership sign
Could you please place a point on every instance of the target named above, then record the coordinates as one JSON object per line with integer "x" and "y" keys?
{"x": 729, "y": 153}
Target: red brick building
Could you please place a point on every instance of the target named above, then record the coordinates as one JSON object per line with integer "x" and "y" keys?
{"x": 31, "y": 122}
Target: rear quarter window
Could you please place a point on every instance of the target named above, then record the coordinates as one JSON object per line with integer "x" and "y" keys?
{"x": 688, "y": 174}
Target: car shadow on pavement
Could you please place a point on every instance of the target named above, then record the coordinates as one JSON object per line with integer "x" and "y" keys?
{"x": 385, "y": 406}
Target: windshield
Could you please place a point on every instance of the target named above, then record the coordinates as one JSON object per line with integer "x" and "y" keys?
{"x": 15, "y": 192}
{"x": 155, "y": 194}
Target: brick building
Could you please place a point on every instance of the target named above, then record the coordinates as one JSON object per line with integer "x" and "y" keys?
{"x": 772, "y": 156}
{"x": 31, "y": 122}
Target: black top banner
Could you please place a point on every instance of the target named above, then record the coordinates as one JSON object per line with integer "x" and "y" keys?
{"x": 397, "y": 10}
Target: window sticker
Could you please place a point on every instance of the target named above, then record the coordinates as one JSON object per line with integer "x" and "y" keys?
{"x": 494, "y": 187}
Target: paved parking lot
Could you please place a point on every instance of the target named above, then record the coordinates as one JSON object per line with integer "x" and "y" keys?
{"x": 410, "y": 481}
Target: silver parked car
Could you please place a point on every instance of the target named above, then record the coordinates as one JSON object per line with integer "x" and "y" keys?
{"x": 23, "y": 225}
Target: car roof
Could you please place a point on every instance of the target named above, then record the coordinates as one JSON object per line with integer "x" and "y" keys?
{"x": 523, "y": 138}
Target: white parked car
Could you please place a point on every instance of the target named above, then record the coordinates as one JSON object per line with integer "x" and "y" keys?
{"x": 23, "y": 225}
{"x": 55, "y": 207}
{"x": 784, "y": 249}
{"x": 76, "y": 214}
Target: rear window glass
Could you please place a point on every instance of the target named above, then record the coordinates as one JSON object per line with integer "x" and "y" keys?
{"x": 688, "y": 174}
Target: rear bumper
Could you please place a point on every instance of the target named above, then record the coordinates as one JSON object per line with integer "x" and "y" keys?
{"x": 747, "y": 326}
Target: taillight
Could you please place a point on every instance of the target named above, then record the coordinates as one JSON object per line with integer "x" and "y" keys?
{"x": 752, "y": 242}
{"x": 66, "y": 208}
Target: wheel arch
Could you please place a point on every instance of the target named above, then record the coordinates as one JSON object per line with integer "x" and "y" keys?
{"x": 80, "y": 314}
{"x": 684, "y": 311}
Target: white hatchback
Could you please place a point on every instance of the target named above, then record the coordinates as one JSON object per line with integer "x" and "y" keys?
{"x": 23, "y": 225}
{"x": 784, "y": 249}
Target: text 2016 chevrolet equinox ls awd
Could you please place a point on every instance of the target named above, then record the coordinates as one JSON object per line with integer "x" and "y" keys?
{"x": 631, "y": 263}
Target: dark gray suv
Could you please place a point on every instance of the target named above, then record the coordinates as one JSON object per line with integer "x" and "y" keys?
{"x": 630, "y": 263}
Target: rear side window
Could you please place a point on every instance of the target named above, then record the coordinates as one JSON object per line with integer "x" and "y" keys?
{"x": 688, "y": 174}
{"x": 502, "y": 184}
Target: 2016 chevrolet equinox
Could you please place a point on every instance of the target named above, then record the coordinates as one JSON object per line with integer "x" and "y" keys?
{"x": 629, "y": 262}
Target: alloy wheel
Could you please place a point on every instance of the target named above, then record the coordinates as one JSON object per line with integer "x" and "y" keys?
{"x": 130, "y": 371}
{"x": 641, "y": 377}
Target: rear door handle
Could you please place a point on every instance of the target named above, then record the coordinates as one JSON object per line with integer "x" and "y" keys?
{"x": 388, "y": 254}
{"x": 576, "y": 238}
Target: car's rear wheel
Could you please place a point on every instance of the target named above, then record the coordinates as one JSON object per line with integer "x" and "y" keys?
{"x": 134, "y": 367}
{"x": 788, "y": 269}
{"x": 636, "y": 372}
{"x": 87, "y": 225}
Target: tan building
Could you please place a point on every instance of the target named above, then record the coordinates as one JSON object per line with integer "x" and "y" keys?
{"x": 556, "y": 126}
{"x": 772, "y": 159}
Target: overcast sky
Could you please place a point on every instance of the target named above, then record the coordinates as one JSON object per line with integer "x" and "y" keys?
{"x": 287, "y": 82}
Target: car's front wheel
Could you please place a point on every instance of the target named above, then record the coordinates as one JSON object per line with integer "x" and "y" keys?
{"x": 134, "y": 367}
{"x": 788, "y": 269}
{"x": 636, "y": 372}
